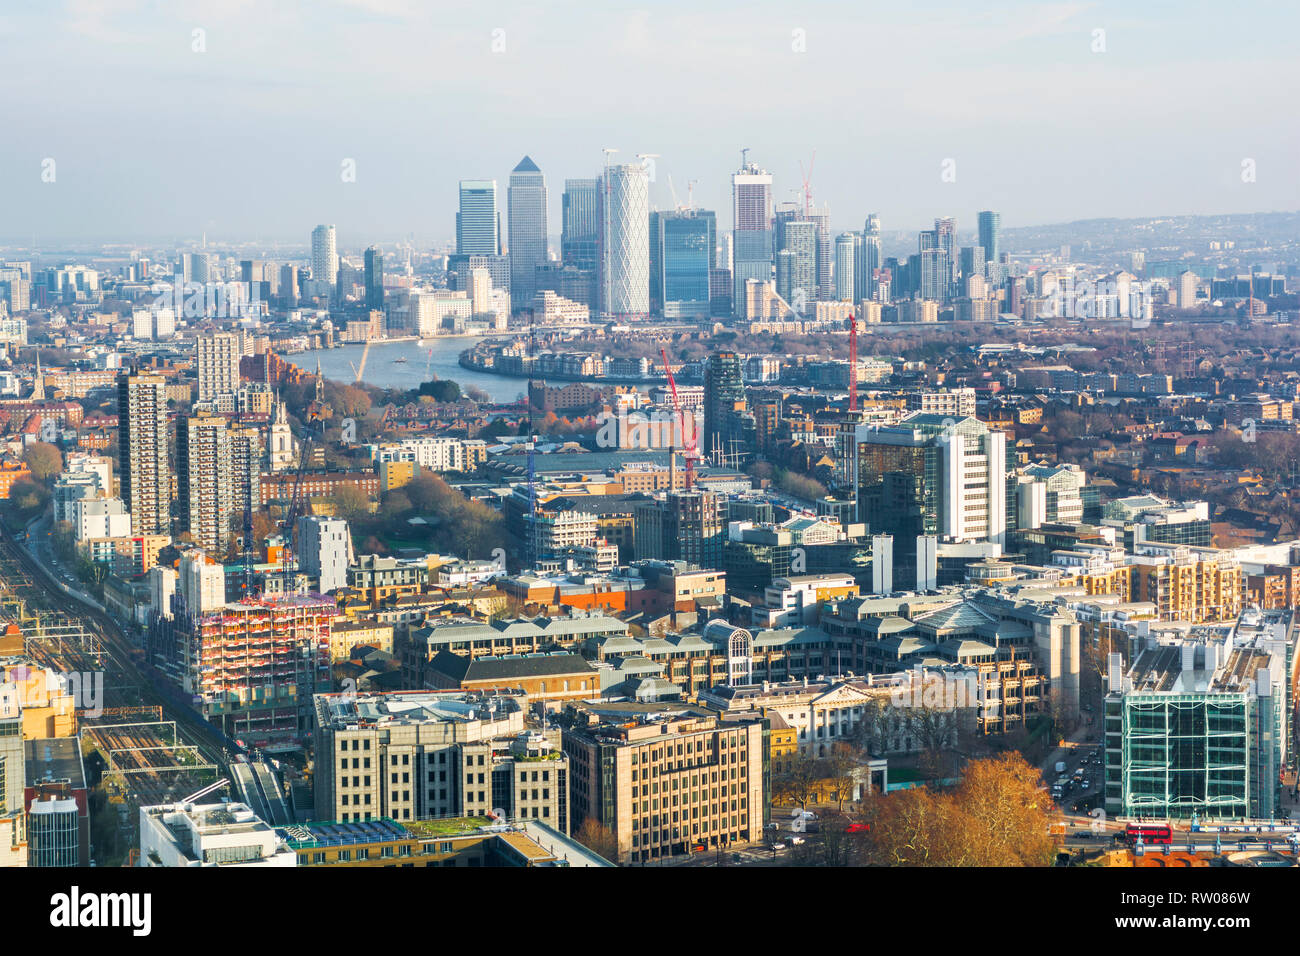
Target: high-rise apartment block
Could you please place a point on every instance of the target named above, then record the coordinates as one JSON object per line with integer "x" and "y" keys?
{"x": 143, "y": 469}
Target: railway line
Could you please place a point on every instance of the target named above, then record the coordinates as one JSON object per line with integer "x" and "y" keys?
{"x": 149, "y": 760}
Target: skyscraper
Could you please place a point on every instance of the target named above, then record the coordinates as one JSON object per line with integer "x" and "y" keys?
{"x": 478, "y": 225}
{"x": 753, "y": 248}
{"x": 527, "y": 209}
{"x": 681, "y": 255}
{"x": 846, "y": 253}
{"x": 142, "y": 451}
{"x": 868, "y": 262}
{"x": 990, "y": 227}
{"x": 580, "y": 229}
{"x": 324, "y": 255}
{"x": 796, "y": 273}
{"x": 625, "y": 242}
{"x": 931, "y": 475}
{"x": 374, "y": 279}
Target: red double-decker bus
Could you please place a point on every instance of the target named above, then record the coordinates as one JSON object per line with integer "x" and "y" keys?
{"x": 1159, "y": 833}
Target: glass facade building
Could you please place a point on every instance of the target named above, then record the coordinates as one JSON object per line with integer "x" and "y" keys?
{"x": 681, "y": 256}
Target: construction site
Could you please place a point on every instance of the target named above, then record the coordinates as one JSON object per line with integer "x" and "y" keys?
{"x": 251, "y": 667}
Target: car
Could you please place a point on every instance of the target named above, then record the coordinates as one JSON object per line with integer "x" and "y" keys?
{"x": 858, "y": 828}
{"x": 776, "y": 846}
{"x": 797, "y": 841}
{"x": 809, "y": 815}
{"x": 774, "y": 826}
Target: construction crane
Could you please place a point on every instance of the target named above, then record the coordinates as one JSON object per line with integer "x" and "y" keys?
{"x": 853, "y": 364}
{"x": 365, "y": 354}
{"x": 688, "y": 438}
{"x": 807, "y": 183}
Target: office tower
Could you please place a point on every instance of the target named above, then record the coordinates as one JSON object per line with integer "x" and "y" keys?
{"x": 374, "y": 279}
{"x": 1200, "y": 724}
{"x": 625, "y": 243}
{"x": 932, "y": 475}
{"x": 724, "y": 405}
{"x": 580, "y": 229}
{"x": 204, "y": 480}
{"x": 972, "y": 262}
{"x": 324, "y": 551}
{"x": 1187, "y": 283}
{"x": 945, "y": 231}
{"x": 990, "y": 225}
{"x": 686, "y": 526}
{"x": 324, "y": 257}
{"x": 526, "y": 199}
{"x": 681, "y": 256}
{"x": 846, "y": 253}
{"x": 753, "y": 241}
{"x": 144, "y": 474}
{"x": 288, "y": 288}
{"x": 196, "y": 267}
{"x": 824, "y": 253}
{"x": 868, "y": 263}
{"x": 797, "y": 259}
{"x": 460, "y": 272}
{"x": 478, "y": 225}
{"x": 216, "y": 363}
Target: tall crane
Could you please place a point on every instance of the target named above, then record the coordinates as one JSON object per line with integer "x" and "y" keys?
{"x": 365, "y": 354}
{"x": 807, "y": 183}
{"x": 688, "y": 437}
{"x": 853, "y": 364}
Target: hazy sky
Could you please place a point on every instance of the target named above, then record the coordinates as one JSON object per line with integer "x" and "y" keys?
{"x": 246, "y": 140}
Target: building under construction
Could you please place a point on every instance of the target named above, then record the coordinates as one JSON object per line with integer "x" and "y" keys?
{"x": 252, "y": 666}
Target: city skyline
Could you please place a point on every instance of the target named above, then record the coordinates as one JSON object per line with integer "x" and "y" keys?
{"x": 1060, "y": 86}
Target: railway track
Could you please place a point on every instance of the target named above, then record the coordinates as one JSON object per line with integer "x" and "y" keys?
{"x": 103, "y": 647}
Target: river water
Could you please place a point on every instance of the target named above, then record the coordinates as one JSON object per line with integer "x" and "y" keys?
{"x": 438, "y": 358}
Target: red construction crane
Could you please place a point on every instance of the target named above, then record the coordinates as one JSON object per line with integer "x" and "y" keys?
{"x": 688, "y": 437}
{"x": 853, "y": 364}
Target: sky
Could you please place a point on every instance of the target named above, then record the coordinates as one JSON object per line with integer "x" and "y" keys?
{"x": 134, "y": 120}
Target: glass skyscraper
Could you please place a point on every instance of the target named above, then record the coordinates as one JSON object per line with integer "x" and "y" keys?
{"x": 625, "y": 248}
{"x": 580, "y": 229}
{"x": 374, "y": 279}
{"x": 527, "y": 202}
{"x": 478, "y": 225}
{"x": 681, "y": 254}
{"x": 753, "y": 246}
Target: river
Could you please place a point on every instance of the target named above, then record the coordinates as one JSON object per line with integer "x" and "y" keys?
{"x": 422, "y": 364}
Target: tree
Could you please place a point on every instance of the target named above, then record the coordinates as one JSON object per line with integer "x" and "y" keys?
{"x": 598, "y": 838}
{"x": 44, "y": 460}
{"x": 841, "y": 772}
{"x": 440, "y": 390}
{"x": 996, "y": 817}
{"x": 797, "y": 778}
{"x": 351, "y": 502}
